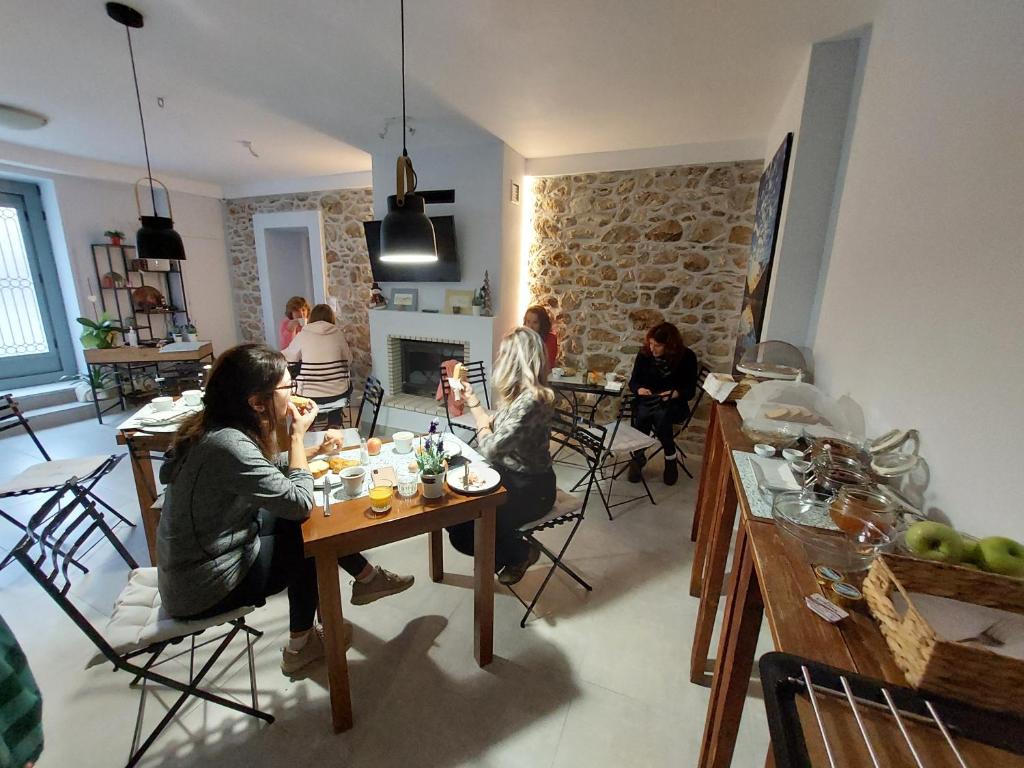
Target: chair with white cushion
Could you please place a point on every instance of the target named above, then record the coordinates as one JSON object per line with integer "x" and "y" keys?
{"x": 49, "y": 475}
{"x": 569, "y": 508}
{"x": 622, "y": 440}
{"x": 139, "y": 631}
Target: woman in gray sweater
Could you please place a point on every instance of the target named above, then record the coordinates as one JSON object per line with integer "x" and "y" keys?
{"x": 230, "y": 532}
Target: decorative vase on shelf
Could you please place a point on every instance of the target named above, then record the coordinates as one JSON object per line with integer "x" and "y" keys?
{"x": 433, "y": 485}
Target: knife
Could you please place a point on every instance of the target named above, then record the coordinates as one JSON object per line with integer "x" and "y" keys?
{"x": 327, "y": 495}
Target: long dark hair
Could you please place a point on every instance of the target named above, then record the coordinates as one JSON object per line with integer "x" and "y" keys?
{"x": 238, "y": 374}
{"x": 667, "y": 335}
{"x": 542, "y": 317}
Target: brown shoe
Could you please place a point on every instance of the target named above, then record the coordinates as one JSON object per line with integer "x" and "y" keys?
{"x": 513, "y": 574}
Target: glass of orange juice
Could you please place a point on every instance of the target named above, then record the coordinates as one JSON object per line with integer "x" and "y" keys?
{"x": 380, "y": 498}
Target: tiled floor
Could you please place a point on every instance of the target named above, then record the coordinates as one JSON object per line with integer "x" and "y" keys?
{"x": 597, "y": 680}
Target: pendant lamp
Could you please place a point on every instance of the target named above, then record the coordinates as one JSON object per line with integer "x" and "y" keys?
{"x": 156, "y": 239}
{"x": 406, "y": 234}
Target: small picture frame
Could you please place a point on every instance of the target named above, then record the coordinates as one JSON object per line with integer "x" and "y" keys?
{"x": 405, "y": 299}
{"x": 458, "y": 302}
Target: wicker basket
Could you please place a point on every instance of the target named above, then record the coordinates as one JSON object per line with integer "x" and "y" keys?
{"x": 964, "y": 672}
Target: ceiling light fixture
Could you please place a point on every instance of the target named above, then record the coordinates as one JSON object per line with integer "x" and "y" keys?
{"x": 406, "y": 234}
{"x": 21, "y": 119}
{"x": 156, "y": 239}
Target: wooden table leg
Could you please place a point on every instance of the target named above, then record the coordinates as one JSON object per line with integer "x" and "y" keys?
{"x": 722, "y": 518}
{"x": 436, "y": 556}
{"x": 145, "y": 490}
{"x": 719, "y": 464}
{"x": 334, "y": 630}
{"x": 711, "y": 440}
{"x": 483, "y": 588}
{"x": 736, "y": 648}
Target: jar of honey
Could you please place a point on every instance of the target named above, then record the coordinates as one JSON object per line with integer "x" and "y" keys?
{"x": 855, "y": 505}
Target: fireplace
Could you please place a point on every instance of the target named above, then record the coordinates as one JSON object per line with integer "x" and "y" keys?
{"x": 420, "y": 364}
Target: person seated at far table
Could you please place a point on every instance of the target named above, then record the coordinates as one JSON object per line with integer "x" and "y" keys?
{"x": 538, "y": 320}
{"x": 322, "y": 341}
{"x": 664, "y": 379}
{"x": 230, "y": 534}
{"x": 295, "y": 313}
{"x": 515, "y": 441}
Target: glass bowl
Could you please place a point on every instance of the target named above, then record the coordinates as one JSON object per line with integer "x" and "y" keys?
{"x": 774, "y": 433}
{"x": 805, "y": 523}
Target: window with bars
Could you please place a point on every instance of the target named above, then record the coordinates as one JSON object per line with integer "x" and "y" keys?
{"x": 21, "y": 322}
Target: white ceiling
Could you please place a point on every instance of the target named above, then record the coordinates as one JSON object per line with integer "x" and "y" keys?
{"x": 312, "y": 83}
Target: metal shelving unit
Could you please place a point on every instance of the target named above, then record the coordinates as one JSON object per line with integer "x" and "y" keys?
{"x": 116, "y": 300}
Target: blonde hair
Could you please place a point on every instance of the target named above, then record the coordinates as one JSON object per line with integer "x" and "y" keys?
{"x": 522, "y": 366}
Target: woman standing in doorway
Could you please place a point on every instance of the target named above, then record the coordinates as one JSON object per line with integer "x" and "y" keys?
{"x": 295, "y": 313}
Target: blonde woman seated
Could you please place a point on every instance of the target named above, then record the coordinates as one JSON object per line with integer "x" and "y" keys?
{"x": 321, "y": 343}
{"x": 515, "y": 441}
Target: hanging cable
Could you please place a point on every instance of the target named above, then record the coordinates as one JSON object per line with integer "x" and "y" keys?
{"x": 138, "y": 99}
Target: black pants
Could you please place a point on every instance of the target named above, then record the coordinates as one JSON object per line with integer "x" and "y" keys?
{"x": 334, "y": 418}
{"x": 529, "y": 497}
{"x": 658, "y": 417}
{"x": 282, "y": 563}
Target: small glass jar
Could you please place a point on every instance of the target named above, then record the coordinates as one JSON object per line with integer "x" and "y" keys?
{"x": 854, "y": 506}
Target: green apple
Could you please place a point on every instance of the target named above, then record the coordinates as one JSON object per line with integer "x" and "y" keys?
{"x": 972, "y": 553}
{"x": 1002, "y": 555}
{"x": 935, "y": 541}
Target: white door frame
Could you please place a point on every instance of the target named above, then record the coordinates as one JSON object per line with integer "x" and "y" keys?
{"x": 313, "y": 223}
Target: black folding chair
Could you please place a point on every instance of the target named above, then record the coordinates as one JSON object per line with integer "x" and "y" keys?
{"x": 51, "y": 474}
{"x": 139, "y": 631}
{"x": 476, "y": 376}
{"x": 569, "y": 509}
{"x": 373, "y": 395}
{"x": 685, "y": 423}
{"x": 334, "y": 375}
{"x": 620, "y": 440}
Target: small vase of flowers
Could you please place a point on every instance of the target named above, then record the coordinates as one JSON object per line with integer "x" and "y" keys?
{"x": 430, "y": 458}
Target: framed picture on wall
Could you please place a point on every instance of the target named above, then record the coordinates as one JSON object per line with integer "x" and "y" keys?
{"x": 458, "y": 302}
{"x": 770, "y": 193}
{"x": 405, "y": 299}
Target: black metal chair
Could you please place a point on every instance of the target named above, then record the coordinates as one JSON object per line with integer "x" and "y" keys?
{"x": 138, "y": 631}
{"x": 569, "y": 509}
{"x": 477, "y": 376}
{"x": 51, "y": 474}
{"x": 333, "y": 375}
{"x": 685, "y": 423}
{"x": 373, "y": 395}
{"x": 621, "y": 441}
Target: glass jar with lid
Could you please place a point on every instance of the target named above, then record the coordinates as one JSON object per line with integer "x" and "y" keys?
{"x": 857, "y": 505}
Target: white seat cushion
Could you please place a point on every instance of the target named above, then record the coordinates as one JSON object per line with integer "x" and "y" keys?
{"x": 627, "y": 439}
{"x": 139, "y": 620}
{"x": 49, "y": 474}
{"x": 467, "y": 420}
{"x": 565, "y": 504}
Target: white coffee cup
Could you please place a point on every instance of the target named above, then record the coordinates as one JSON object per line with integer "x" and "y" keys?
{"x": 403, "y": 441}
{"x": 192, "y": 396}
{"x": 558, "y": 372}
{"x": 611, "y": 377}
{"x": 352, "y": 479}
{"x": 162, "y": 403}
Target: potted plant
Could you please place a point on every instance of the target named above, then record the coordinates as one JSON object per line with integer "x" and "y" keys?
{"x": 115, "y": 236}
{"x": 104, "y": 381}
{"x": 175, "y": 333}
{"x": 478, "y": 303}
{"x": 98, "y": 334}
{"x": 188, "y": 332}
{"x": 431, "y": 460}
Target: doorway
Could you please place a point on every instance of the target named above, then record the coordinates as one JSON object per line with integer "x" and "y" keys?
{"x": 290, "y": 259}
{"x": 35, "y": 343}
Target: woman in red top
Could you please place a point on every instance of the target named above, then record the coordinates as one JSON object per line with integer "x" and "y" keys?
{"x": 537, "y": 319}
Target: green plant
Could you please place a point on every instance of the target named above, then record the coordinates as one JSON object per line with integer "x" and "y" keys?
{"x": 113, "y": 233}
{"x": 98, "y": 334}
{"x": 97, "y": 377}
{"x": 478, "y": 299}
{"x": 189, "y": 328}
{"x": 430, "y": 457}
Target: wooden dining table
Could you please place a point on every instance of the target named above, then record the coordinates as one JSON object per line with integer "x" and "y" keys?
{"x": 349, "y": 529}
{"x": 767, "y": 581}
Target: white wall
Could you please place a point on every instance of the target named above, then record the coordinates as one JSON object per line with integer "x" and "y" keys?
{"x": 288, "y": 265}
{"x": 509, "y": 303}
{"x": 474, "y": 171}
{"x": 80, "y": 209}
{"x": 921, "y": 311}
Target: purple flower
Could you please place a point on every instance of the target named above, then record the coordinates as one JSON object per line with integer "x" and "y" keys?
{"x": 433, "y": 426}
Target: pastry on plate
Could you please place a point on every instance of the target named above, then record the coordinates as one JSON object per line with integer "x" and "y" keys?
{"x": 338, "y": 463}
{"x": 318, "y": 468}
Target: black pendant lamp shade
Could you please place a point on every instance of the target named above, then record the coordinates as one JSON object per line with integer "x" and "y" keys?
{"x": 156, "y": 239}
{"x": 406, "y": 234}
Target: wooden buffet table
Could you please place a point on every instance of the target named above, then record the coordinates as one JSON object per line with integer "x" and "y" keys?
{"x": 348, "y": 530}
{"x": 117, "y": 357}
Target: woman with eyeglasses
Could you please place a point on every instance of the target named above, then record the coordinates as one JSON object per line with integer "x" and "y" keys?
{"x": 230, "y": 532}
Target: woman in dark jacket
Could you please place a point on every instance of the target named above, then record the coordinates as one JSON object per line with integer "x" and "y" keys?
{"x": 664, "y": 380}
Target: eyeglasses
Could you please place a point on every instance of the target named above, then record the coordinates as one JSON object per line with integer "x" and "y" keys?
{"x": 284, "y": 386}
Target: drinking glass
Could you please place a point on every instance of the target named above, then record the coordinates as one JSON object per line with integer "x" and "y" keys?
{"x": 380, "y": 499}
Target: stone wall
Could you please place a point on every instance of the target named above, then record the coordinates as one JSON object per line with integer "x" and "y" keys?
{"x": 617, "y": 252}
{"x": 348, "y": 264}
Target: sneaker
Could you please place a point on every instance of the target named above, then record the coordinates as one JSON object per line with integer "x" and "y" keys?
{"x": 636, "y": 471}
{"x": 512, "y": 574}
{"x": 671, "y": 471}
{"x": 312, "y": 651}
{"x": 383, "y": 584}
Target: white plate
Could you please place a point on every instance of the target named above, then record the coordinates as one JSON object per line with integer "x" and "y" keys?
{"x": 483, "y": 479}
